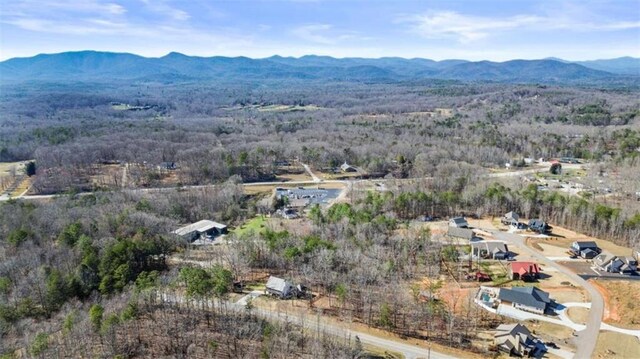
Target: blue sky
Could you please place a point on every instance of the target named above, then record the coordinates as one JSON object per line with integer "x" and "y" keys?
{"x": 475, "y": 30}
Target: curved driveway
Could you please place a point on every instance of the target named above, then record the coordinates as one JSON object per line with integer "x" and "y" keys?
{"x": 588, "y": 337}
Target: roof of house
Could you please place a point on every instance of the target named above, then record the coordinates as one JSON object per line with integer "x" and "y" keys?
{"x": 491, "y": 246}
{"x": 458, "y": 220}
{"x": 524, "y": 267}
{"x": 587, "y": 251}
{"x": 512, "y": 215}
{"x": 299, "y": 202}
{"x": 345, "y": 166}
{"x": 513, "y": 336}
{"x": 277, "y": 284}
{"x": 585, "y": 244}
{"x": 200, "y": 227}
{"x": 537, "y": 223}
{"x": 465, "y": 233}
{"x": 529, "y": 296}
{"x": 604, "y": 259}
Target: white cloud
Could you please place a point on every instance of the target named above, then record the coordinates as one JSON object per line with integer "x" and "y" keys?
{"x": 314, "y": 33}
{"x": 325, "y": 34}
{"x": 467, "y": 28}
{"x": 163, "y": 7}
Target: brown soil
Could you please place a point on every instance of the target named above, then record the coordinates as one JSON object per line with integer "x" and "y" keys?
{"x": 610, "y": 310}
{"x": 622, "y": 302}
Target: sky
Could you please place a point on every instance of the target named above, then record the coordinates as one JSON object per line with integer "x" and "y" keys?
{"x": 496, "y": 30}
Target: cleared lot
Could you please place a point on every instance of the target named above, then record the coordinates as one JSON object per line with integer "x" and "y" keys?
{"x": 616, "y": 345}
{"x": 622, "y": 302}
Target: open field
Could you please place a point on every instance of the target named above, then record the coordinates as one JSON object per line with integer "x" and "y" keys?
{"x": 618, "y": 346}
{"x": 286, "y": 177}
{"x": 11, "y": 168}
{"x": 298, "y": 226}
{"x": 338, "y": 176}
{"x": 622, "y": 302}
{"x": 256, "y": 225}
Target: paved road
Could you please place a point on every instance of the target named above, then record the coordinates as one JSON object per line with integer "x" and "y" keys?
{"x": 588, "y": 337}
{"x": 317, "y": 323}
{"x": 315, "y": 180}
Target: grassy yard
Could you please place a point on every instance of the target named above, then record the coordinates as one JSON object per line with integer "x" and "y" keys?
{"x": 256, "y": 224}
{"x": 497, "y": 273}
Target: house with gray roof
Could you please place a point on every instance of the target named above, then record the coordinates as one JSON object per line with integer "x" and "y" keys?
{"x": 490, "y": 249}
{"x": 464, "y": 233}
{"x": 280, "y": 288}
{"x": 201, "y": 230}
{"x": 510, "y": 218}
{"x": 578, "y": 247}
{"x": 345, "y": 167}
{"x": 459, "y": 222}
{"x": 615, "y": 264}
{"x": 530, "y": 299}
{"x": 517, "y": 340}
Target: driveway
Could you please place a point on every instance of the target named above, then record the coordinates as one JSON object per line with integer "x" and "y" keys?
{"x": 587, "y": 337}
{"x": 313, "y": 176}
{"x": 249, "y": 297}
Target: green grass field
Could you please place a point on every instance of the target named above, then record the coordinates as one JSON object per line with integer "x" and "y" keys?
{"x": 256, "y": 224}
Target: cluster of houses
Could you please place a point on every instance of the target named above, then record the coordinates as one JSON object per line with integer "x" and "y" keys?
{"x": 604, "y": 261}
{"x": 608, "y": 262}
{"x": 535, "y": 225}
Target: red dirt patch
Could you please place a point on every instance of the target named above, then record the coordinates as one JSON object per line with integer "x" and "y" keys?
{"x": 610, "y": 311}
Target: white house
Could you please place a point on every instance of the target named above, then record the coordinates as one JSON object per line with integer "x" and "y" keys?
{"x": 280, "y": 288}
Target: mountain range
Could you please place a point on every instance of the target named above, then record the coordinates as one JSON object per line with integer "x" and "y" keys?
{"x": 96, "y": 66}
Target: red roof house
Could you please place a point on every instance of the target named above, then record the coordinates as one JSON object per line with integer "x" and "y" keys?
{"x": 526, "y": 271}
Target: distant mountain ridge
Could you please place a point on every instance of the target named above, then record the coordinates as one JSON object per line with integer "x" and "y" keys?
{"x": 177, "y": 67}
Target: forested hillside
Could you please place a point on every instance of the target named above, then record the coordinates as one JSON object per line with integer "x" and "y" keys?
{"x": 178, "y": 68}
{"x": 83, "y": 274}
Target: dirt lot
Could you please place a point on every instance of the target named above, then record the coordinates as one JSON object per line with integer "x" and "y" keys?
{"x": 578, "y": 314}
{"x": 618, "y": 346}
{"x": 622, "y": 302}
